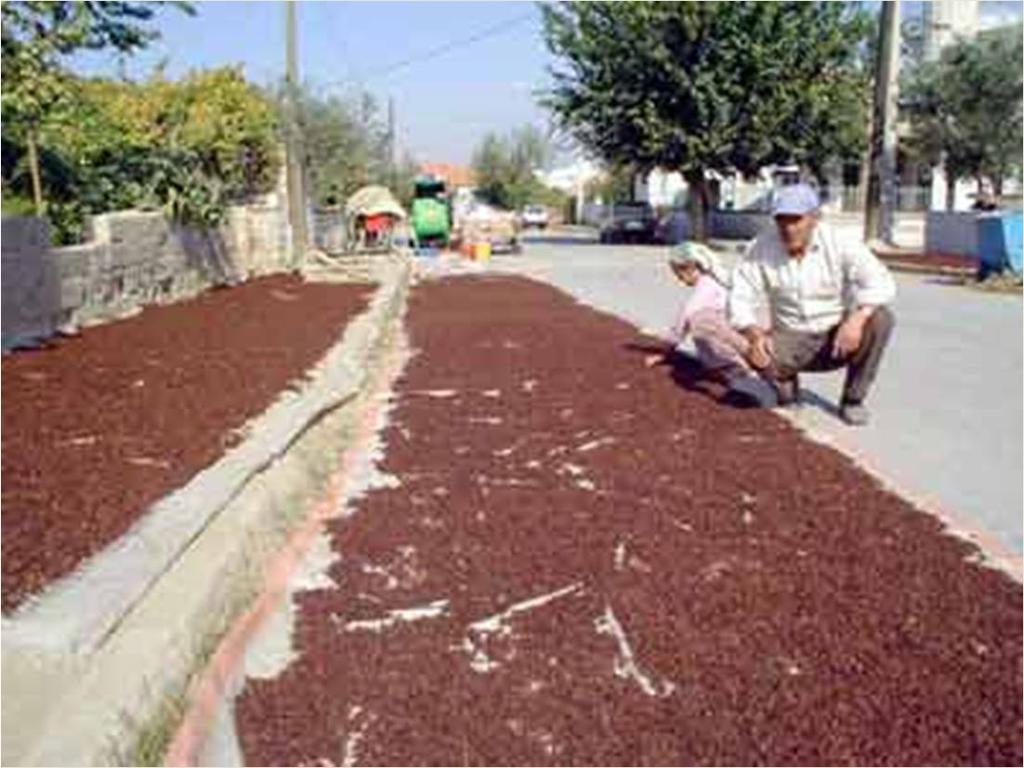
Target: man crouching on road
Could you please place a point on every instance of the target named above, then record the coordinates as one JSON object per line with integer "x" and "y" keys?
{"x": 827, "y": 303}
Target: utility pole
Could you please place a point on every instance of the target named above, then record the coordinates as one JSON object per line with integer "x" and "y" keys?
{"x": 293, "y": 146}
{"x": 882, "y": 186}
{"x": 392, "y": 174}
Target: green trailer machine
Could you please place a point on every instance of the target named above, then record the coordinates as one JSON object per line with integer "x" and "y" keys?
{"x": 431, "y": 219}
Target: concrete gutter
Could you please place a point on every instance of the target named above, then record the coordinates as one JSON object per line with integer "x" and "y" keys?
{"x": 90, "y": 664}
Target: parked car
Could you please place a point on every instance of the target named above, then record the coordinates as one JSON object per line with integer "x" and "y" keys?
{"x": 534, "y": 216}
{"x": 628, "y": 223}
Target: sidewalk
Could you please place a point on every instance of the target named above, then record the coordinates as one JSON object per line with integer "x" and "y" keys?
{"x": 576, "y": 560}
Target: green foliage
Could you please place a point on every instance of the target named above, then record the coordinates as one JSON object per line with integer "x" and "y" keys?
{"x": 965, "y": 109}
{"x": 504, "y": 167}
{"x": 340, "y": 140}
{"x": 693, "y": 87}
{"x": 613, "y": 186}
{"x": 65, "y": 27}
{"x": 402, "y": 180}
{"x": 190, "y": 147}
{"x": 346, "y": 146}
{"x": 37, "y": 34}
{"x": 35, "y": 38}
{"x": 550, "y": 197}
{"x": 15, "y": 205}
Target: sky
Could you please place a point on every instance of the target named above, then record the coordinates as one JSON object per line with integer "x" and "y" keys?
{"x": 478, "y": 65}
{"x": 444, "y": 103}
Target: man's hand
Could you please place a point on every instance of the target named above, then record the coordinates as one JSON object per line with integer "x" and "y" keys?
{"x": 760, "y": 354}
{"x": 850, "y": 334}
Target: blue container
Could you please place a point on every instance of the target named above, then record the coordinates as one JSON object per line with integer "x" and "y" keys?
{"x": 1000, "y": 240}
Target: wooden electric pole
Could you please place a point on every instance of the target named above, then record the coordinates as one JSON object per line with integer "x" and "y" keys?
{"x": 391, "y": 170}
{"x": 293, "y": 144}
{"x": 880, "y": 204}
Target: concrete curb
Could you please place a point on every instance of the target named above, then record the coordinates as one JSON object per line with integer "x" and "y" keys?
{"x": 89, "y": 664}
{"x": 926, "y": 269}
{"x": 260, "y": 643}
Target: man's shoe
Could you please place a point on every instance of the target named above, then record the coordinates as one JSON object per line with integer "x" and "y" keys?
{"x": 854, "y": 414}
{"x": 787, "y": 391}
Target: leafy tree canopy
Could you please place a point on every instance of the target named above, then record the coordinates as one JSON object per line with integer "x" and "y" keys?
{"x": 345, "y": 142}
{"x": 965, "y": 108}
{"x": 190, "y": 146}
{"x": 35, "y": 39}
{"x": 505, "y": 167}
{"x": 723, "y": 86}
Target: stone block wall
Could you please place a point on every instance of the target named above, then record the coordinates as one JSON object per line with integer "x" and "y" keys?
{"x": 30, "y": 282}
{"x": 132, "y": 258}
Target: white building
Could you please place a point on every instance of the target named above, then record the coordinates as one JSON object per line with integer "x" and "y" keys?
{"x": 945, "y": 21}
{"x": 662, "y": 189}
{"x": 572, "y": 179}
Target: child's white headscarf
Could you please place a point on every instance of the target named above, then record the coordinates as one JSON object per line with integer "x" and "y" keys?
{"x": 705, "y": 258}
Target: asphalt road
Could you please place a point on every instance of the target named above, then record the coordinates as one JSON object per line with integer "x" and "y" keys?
{"x": 947, "y": 407}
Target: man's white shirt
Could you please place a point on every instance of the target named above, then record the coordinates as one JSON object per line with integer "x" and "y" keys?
{"x": 810, "y": 294}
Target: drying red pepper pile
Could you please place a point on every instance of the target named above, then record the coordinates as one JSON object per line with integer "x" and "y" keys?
{"x": 99, "y": 426}
{"x": 584, "y": 561}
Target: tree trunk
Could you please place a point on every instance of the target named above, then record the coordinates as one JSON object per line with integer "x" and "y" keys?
{"x": 950, "y": 189}
{"x": 699, "y": 208}
{"x": 33, "y": 167}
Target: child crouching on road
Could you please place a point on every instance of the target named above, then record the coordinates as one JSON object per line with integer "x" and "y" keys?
{"x": 721, "y": 349}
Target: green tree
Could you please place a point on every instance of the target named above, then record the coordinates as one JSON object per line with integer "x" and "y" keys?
{"x": 338, "y": 148}
{"x": 492, "y": 169}
{"x": 346, "y": 146}
{"x": 965, "y": 108}
{"x": 402, "y": 179}
{"x": 694, "y": 87}
{"x": 505, "y": 167}
{"x": 191, "y": 147}
{"x": 36, "y": 36}
{"x": 615, "y": 185}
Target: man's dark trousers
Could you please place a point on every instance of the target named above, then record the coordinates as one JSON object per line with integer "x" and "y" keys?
{"x": 794, "y": 352}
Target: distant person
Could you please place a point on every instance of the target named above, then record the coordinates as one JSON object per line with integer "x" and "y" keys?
{"x": 827, "y": 302}
{"x": 721, "y": 350}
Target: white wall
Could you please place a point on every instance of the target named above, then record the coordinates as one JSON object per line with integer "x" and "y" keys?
{"x": 660, "y": 188}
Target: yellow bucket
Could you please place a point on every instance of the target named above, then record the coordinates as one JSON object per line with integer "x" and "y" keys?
{"x": 481, "y": 251}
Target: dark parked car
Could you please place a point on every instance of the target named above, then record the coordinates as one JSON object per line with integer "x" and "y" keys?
{"x": 628, "y": 223}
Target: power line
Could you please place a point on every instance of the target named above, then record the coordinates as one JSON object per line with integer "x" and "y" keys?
{"x": 483, "y": 34}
